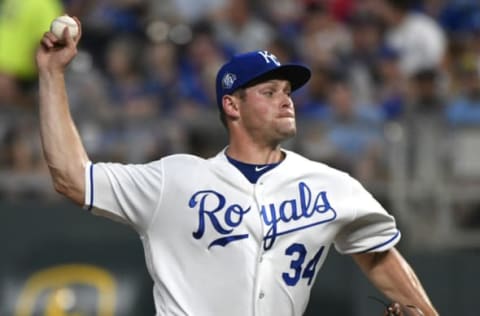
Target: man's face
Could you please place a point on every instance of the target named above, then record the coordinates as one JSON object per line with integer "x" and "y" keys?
{"x": 267, "y": 113}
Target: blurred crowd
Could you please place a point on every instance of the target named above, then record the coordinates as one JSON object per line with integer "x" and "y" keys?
{"x": 142, "y": 85}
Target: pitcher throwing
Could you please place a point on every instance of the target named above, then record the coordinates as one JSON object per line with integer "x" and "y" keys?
{"x": 244, "y": 232}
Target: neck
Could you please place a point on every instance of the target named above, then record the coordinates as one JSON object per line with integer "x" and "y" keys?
{"x": 255, "y": 153}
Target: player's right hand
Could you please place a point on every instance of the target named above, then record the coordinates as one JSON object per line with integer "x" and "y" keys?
{"x": 54, "y": 54}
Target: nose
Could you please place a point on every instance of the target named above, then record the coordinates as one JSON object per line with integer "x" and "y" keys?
{"x": 287, "y": 101}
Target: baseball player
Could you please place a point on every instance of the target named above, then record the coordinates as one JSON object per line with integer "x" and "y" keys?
{"x": 244, "y": 232}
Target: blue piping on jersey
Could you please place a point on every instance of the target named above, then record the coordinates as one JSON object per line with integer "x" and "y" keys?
{"x": 384, "y": 243}
{"x": 91, "y": 188}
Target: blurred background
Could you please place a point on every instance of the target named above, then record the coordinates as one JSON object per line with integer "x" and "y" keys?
{"x": 394, "y": 100}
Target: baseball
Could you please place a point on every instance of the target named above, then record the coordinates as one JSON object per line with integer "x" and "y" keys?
{"x": 60, "y": 23}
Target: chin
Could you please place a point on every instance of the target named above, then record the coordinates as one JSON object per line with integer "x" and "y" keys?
{"x": 285, "y": 129}
{"x": 289, "y": 132}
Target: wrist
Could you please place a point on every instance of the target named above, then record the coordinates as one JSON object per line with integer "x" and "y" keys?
{"x": 50, "y": 73}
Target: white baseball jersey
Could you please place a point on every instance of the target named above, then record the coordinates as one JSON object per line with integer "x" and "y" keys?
{"x": 216, "y": 244}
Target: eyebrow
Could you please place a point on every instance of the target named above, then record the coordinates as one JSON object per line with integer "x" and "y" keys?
{"x": 276, "y": 83}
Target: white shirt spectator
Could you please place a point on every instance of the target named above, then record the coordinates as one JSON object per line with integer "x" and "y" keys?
{"x": 420, "y": 41}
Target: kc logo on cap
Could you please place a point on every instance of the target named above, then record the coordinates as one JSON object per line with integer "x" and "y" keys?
{"x": 269, "y": 57}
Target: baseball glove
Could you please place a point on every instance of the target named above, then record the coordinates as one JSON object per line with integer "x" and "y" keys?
{"x": 395, "y": 309}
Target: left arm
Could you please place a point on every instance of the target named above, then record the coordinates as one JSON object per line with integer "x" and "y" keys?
{"x": 394, "y": 277}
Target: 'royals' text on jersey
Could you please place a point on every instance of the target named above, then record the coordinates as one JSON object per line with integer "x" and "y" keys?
{"x": 214, "y": 209}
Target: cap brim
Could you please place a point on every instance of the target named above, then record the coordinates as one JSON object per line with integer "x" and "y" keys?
{"x": 297, "y": 75}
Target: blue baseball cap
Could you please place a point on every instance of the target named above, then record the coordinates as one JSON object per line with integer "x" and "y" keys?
{"x": 242, "y": 69}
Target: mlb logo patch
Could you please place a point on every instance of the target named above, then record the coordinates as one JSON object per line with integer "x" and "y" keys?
{"x": 228, "y": 80}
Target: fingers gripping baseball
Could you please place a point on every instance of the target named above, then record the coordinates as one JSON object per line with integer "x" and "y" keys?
{"x": 54, "y": 52}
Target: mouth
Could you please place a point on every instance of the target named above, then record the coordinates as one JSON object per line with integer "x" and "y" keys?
{"x": 286, "y": 115}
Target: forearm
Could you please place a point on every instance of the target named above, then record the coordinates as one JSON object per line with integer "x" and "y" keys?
{"x": 394, "y": 277}
{"x": 62, "y": 146}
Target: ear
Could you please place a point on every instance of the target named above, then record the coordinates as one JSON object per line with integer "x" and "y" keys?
{"x": 230, "y": 106}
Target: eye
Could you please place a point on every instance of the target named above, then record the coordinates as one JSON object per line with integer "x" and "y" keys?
{"x": 268, "y": 93}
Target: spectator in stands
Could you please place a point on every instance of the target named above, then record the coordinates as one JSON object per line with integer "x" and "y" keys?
{"x": 392, "y": 85}
{"x": 313, "y": 103}
{"x": 354, "y": 132}
{"x": 200, "y": 58}
{"x": 240, "y": 29}
{"x": 20, "y": 153}
{"x": 455, "y": 16}
{"x": 360, "y": 61}
{"x": 186, "y": 10}
{"x": 133, "y": 105}
{"x": 285, "y": 16}
{"x": 464, "y": 108}
{"x": 161, "y": 65}
{"x": 426, "y": 97}
{"x": 22, "y": 23}
{"x": 341, "y": 9}
{"x": 285, "y": 50}
{"x": 423, "y": 122}
{"x": 162, "y": 60}
{"x": 131, "y": 95}
{"x": 105, "y": 19}
{"x": 322, "y": 38}
{"x": 418, "y": 38}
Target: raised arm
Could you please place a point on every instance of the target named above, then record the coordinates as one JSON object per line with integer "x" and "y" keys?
{"x": 62, "y": 147}
{"x": 394, "y": 277}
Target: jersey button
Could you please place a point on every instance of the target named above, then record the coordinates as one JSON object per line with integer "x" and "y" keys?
{"x": 261, "y": 295}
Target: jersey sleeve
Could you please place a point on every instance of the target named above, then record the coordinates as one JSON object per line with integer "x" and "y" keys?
{"x": 126, "y": 193}
{"x": 372, "y": 228}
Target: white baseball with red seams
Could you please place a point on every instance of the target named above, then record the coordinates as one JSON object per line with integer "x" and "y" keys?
{"x": 60, "y": 23}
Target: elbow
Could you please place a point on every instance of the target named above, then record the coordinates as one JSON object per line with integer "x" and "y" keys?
{"x": 61, "y": 187}
{"x": 70, "y": 186}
